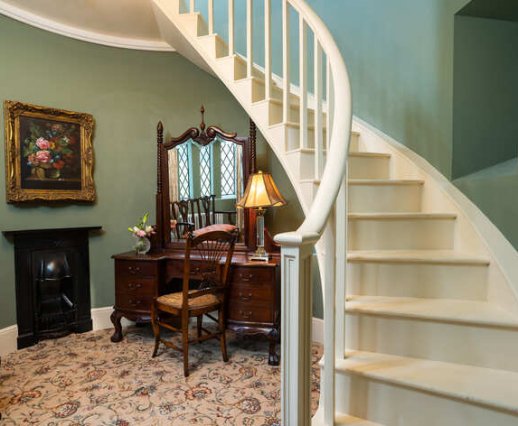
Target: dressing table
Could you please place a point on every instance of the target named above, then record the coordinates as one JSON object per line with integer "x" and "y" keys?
{"x": 254, "y": 287}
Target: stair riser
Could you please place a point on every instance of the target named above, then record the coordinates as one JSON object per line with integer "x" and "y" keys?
{"x": 463, "y": 344}
{"x": 291, "y": 136}
{"x": 304, "y": 163}
{"x": 393, "y": 405}
{"x": 468, "y": 282}
{"x": 369, "y": 167}
{"x": 214, "y": 46}
{"x": 276, "y": 114}
{"x": 194, "y": 24}
{"x": 385, "y": 198}
{"x": 410, "y": 234}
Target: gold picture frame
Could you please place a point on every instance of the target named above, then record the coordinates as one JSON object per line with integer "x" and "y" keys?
{"x": 48, "y": 154}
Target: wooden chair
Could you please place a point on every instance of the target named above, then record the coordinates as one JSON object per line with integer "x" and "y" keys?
{"x": 213, "y": 247}
{"x": 198, "y": 213}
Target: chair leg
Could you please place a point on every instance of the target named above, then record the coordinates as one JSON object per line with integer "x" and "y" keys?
{"x": 222, "y": 336}
{"x": 185, "y": 345}
{"x": 156, "y": 328}
{"x": 199, "y": 325}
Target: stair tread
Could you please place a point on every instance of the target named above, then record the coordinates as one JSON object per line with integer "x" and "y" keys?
{"x": 476, "y": 385}
{"x": 417, "y": 256}
{"x": 401, "y": 216}
{"x": 445, "y": 310}
{"x": 385, "y": 182}
{"x": 364, "y": 154}
{"x": 346, "y": 420}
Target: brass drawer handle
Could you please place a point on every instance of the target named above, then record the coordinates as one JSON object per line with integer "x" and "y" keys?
{"x": 133, "y": 286}
{"x": 246, "y": 315}
{"x": 132, "y": 302}
{"x": 245, "y": 298}
{"x": 246, "y": 278}
{"x": 134, "y": 269}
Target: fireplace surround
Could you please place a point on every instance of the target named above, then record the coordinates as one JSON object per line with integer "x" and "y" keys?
{"x": 52, "y": 282}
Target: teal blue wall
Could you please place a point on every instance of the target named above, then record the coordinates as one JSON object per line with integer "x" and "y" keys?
{"x": 400, "y": 59}
{"x": 485, "y": 107}
{"x": 127, "y": 92}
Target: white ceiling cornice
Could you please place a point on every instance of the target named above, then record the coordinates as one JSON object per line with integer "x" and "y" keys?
{"x": 44, "y": 23}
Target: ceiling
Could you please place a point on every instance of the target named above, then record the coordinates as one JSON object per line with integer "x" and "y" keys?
{"x": 506, "y": 10}
{"x": 123, "y": 23}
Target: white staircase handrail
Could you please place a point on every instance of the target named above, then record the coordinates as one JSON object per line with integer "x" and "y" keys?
{"x": 297, "y": 250}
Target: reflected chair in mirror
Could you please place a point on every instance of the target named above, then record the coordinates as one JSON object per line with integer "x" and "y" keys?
{"x": 208, "y": 255}
{"x": 198, "y": 213}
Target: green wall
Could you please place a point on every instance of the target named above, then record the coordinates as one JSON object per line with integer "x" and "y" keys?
{"x": 485, "y": 107}
{"x": 400, "y": 59}
{"x": 127, "y": 92}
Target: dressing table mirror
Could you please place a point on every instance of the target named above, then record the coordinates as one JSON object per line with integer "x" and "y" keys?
{"x": 201, "y": 175}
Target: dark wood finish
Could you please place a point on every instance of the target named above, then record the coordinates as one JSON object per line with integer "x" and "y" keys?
{"x": 30, "y": 245}
{"x": 212, "y": 244}
{"x": 203, "y": 136}
{"x": 140, "y": 277}
{"x": 253, "y": 306}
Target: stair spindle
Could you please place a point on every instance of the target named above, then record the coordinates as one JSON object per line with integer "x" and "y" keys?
{"x": 267, "y": 50}
{"x": 319, "y": 148}
{"x": 211, "y": 16}
{"x": 303, "y": 77}
{"x": 249, "y": 38}
{"x": 285, "y": 61}
{"x": 231, "y": 49}
{"x": 328, "y": 101}
{"x": 191, "y": 6}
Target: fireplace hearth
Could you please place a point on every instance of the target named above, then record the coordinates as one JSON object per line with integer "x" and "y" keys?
{"x": 52, "y": 283}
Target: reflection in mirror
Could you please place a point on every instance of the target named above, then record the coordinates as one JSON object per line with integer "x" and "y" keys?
{"x": 205, "y": 183}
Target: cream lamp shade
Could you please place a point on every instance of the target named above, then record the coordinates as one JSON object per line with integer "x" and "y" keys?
{"x": 261, "y": 192}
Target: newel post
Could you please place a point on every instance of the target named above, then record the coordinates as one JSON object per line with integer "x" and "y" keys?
{"x": 296, "y": 311}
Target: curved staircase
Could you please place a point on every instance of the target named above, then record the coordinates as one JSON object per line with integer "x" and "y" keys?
{"x": 428, "y": 339}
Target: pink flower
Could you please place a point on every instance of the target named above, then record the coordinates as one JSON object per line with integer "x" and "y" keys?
{"x": 43, "y": 156}
{"x": 141, "y": 233}
{"x": 42, "y": 143}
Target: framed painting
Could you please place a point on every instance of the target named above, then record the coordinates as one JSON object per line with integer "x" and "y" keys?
{"x": 49, "y": 154}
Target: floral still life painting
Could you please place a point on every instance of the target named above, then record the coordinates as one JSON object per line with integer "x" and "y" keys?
{"x": 49, "y": 155}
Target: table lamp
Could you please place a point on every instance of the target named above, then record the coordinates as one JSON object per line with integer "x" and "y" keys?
{"x": 260, "y": 193}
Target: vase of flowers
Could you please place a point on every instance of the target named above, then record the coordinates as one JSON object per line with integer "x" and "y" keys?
{"x": 141, "y": 232}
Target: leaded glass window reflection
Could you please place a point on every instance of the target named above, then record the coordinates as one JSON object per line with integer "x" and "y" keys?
{"x": 228, "y": 170}
{"x": 205, "y": 170}
{"x": 184, "y": 183}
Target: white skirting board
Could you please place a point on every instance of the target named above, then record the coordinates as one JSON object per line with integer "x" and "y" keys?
{"x": 101, "y": 320}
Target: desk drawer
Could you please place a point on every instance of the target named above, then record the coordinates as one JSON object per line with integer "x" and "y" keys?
{"x": 174, "y": 269}
{"x": 251, "y": 293}
{"x": 129, "y": 268}
{"x": 250, "y": 312}
{"x": 136, "y": 285}
{"x": 133, "y": 302}
{"x": 252, "y": 276}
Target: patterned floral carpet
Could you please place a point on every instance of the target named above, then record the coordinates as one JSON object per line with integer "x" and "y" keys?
{"x": 85, "y": 379}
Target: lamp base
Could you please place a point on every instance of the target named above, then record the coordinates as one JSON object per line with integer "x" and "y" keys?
{"x": 260, "y": 258}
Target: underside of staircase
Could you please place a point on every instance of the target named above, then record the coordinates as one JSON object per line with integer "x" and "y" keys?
{"x": 425, "y": 345}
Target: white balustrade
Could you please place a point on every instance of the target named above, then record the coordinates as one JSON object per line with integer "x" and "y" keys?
{"x": 326, "y": 218}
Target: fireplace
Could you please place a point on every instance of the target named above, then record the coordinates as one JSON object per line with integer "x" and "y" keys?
{"x": 52, "y": 283}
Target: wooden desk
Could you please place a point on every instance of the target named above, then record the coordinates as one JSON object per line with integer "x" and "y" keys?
{"x": 253, "y": 300}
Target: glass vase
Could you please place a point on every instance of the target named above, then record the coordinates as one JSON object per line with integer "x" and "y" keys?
{"x": 142, "y": 245}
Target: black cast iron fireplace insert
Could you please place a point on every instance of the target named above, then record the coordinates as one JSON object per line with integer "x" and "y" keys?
{"x": 52, "y": 283}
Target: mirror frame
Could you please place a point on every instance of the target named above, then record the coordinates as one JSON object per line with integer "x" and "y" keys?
{"x": 202, "y": 136}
